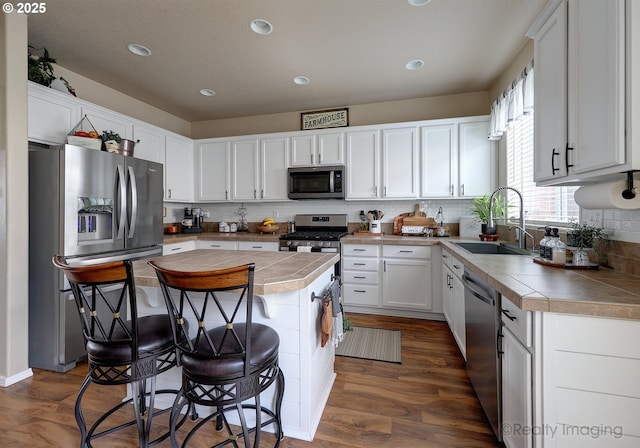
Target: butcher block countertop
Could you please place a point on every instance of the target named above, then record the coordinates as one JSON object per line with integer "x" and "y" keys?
{"x": 602, "y": 292}
{"x": 275, "y": 271}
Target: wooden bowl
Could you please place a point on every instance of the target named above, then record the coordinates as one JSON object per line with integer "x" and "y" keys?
{"x": 273, "y": 228}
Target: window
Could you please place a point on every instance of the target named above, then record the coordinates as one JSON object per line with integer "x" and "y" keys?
{"x": 541, "y": 204}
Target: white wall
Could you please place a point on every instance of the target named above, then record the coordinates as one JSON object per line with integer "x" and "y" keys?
{"x": 14, "y": 199}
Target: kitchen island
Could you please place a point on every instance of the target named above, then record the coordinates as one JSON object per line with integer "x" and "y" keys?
{"x": 283, "y": 283}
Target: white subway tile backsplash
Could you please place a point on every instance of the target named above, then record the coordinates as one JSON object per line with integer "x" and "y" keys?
{"x": 285, "y": 211}
{"x": 625, "y": 224}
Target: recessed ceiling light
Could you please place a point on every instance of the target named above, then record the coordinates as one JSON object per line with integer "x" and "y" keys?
{"x": 207, "y": 92}
{"x": 301, "y": 80}
{"x": 260, "y": 26}
{"x": 418, "y": 2}
{"x": 414, "y": 64}
{"x": 138, "y": 49}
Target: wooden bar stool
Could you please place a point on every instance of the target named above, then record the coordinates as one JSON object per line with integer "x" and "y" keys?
{"x": 227, "y": 360}
{"x": 120, "y": 350}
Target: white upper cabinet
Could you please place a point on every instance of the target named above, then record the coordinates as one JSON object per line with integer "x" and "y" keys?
{"x": 584, "y": 67}
{"x": 274, "y": 160}
{"x": 439, "y": 150}
{"x": 106, "y": 120}
{"x": 150, "y": 142}
{"x": 476, "y": 159}
{"x": 325, "y": 148}
{"x": 244, "y": 169}
{"x": 178, "y": 169}
{"x": 213, "y": 170}
{"x": 363, "y": 164}
{"x": 399, "y": 163}
{"x": 52, "y": 114}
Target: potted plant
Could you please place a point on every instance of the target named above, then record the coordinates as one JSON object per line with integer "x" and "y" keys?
{"x": 40, "y": 69}
{"x": 480, "y": 211}
{"x": 111, "y": 140}
{"x": 583, "y": 237}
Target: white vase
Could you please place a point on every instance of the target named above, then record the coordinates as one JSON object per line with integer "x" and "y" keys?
{"x": 581, "y": 257}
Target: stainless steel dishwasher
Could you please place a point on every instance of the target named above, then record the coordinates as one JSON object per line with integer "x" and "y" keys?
{"x": 482, "y": 324}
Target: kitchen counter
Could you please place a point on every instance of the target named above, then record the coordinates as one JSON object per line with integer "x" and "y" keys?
{"x": 276, "y": 272}
{"x": 531, "y": 286}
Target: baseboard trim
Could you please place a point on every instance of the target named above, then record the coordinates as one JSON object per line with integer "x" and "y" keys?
{"x": 13, "y": 379}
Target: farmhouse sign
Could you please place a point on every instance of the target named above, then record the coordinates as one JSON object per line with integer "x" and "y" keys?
{"x": 333, "y": 118}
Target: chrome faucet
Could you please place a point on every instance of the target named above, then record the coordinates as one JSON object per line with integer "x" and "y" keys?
{"x": 522, "y": 240}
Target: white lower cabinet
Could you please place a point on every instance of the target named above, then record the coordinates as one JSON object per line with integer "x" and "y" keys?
{"x": 453, "y": 298}
{"x": 257, "y": 245}
{"x": 176, "y": 248}
{"x": 406, "y": 277}
{"x": 517, "y": 400}
{"x": 391, "y": 279}
{"x": 217, "y": 245}
{"x": 360, "y": 274}
{"x": 517, "y": 376}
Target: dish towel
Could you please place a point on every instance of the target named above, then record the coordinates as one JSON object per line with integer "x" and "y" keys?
{"x": 334, "y": 292}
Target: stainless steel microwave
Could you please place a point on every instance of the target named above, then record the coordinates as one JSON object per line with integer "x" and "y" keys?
{"x": 317, "y": 182}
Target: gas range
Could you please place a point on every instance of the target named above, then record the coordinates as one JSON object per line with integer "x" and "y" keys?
{"x": 320, "y": 233}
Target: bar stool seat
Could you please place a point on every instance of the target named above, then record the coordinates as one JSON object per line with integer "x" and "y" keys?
{"x": 227, "y": 360}
{"x": 119, "y": 350}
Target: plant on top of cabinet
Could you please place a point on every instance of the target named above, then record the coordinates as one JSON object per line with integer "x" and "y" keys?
{"x": 40, "y": 68}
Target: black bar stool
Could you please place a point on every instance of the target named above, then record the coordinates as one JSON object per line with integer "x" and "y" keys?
{"x": 120, "y": 350}
{"x": 227, "y": 359}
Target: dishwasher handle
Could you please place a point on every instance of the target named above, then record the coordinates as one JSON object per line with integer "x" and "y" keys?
{"x": 472, "y": 288}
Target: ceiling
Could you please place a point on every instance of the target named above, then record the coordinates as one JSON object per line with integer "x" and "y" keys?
{"x": 353, "y": 51}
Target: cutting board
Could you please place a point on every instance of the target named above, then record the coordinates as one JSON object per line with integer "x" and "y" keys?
{"x": 419, "y": 221}
{"x": 398, "y": 222}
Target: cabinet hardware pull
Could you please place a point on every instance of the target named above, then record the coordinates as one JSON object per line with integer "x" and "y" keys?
{"x": 255, "y": 194}
{"x": 566, "y": 157}
{"x": 176, "y": 248}
{"x": 169, "y": 193}
{"x": 445, "y": 256}
{"x": 385, "y": 191}
{"x": 226, "y": 194}
{"x": 451, "y": 189}
{"x": 256, "y": 247}
{"x": 359, "y": 264}
{"x": 311, "y": 159}
{"x": 462, "y": 190}
{"x": 359, "y": 290}
{"x": 509, "y": 315}
{"x": 359, "y": 250}
{"x": 215, "y": 245}
{"x": 261, "y": 194}
{"x": 385, "y": 266}
{"x": 456, "y": 266}
{"x": 406, "y": 251}
{"x": 320, "y": 159}
{"x": 554, "y": 153}
{"x": 358, "y": 276}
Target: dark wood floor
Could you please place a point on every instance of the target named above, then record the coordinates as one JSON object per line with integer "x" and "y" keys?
{"x": 427, "y": 401}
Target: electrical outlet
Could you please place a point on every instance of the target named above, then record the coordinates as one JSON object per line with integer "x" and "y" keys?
{"x": 276, "y": 214}
{"x": 164, "y": 212}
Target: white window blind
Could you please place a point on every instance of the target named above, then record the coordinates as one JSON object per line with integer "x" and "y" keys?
{"x": 546, "y": 205}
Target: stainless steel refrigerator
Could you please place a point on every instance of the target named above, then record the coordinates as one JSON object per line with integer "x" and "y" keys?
{"x": 92, "y": 207}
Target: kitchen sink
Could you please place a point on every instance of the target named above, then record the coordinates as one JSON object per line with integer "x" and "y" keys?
{"x": 493, "y": 249}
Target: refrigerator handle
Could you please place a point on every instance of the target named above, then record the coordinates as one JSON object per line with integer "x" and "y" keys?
{"x": 121, "y": 194}
{"x": 134, "y": 202}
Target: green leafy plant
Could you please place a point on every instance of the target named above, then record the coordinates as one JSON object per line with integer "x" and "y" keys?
{"x": 346, "y": 324}
{"x": 480, "y": 208}
{"x": 40, "y": 69}
{"x": 110, "y": 136}
{"x": 585, "y": 236}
